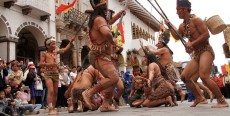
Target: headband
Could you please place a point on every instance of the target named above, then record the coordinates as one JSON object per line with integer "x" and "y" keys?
{"x": 50, "y": 41}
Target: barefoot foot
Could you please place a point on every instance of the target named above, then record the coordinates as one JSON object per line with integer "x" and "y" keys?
{"x": 196, "y": 102}
{"x": 53, "y": 112}
{"x": 169, "y": 99}
{"x": 221, "y": 103}
{"x": 108, "y": 109}
{"x": 182, "y": 96}
{"x": 86, "y": 99}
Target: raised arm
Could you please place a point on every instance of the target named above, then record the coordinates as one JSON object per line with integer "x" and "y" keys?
{"x": 63, "y": 50}
{"x": 116, "y": 17}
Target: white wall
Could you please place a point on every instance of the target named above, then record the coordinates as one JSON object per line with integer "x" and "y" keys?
{"x": 127, "y": 20}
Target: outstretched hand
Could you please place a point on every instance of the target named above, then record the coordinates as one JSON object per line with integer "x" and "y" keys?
{"x": 122, "y": 12}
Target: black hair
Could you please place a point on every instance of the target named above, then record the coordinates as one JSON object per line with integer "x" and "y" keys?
{"x": 86, "y": 63}
{"x": 152, "y": 58}
{"x": 98, "y": 11}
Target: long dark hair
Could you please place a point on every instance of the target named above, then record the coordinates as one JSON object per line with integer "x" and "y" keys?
{"x": 98, "y": 11}
{"x": 152, "y": 58}
{"x": 85, "y": 64}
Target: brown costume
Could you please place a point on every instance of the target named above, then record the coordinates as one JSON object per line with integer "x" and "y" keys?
{"x": 52, "y": 75}
{"x": 205, "y": 47}
{"x": 162, "y": 89}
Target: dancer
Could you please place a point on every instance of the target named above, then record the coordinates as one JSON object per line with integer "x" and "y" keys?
{"x": 139, "y": 84}
{"x": 163, "y": 90}
{"x": 48, "y": 60}
{"x": 195, "y": 29}
{"x": 85, "y": 79}
{"x": 166, "y": 60}
{"x": 102, "y": 41}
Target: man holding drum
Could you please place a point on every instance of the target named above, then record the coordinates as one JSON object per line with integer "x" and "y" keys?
{"x": 195, "y": 29}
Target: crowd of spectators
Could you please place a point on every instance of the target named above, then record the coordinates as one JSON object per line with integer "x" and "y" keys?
{"x": 23, "y": 87}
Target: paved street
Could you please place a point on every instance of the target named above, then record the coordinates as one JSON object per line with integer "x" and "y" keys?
{"x": 182, "y": 109}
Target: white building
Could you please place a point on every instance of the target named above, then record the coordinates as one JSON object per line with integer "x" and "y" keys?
{"x": 24, "y": 25}
{"x": 138, "y": 24}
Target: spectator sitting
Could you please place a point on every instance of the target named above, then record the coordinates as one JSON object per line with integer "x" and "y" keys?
{"x": 10, "y": 99}
{"x": 18, "y": 104}
{"x": 4, "y": 108}
{"x": 73, "y": 74}
{"x": 25, "y": 97}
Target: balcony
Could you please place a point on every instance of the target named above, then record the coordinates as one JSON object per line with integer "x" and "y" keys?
{"x": 40, "y": 8}
{"x": 8, "y": 3}
{"x": 73, "y": 19}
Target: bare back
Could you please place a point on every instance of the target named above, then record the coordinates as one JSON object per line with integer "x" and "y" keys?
{"x": 154, "y": 70}
{"x": 165, "y": 56}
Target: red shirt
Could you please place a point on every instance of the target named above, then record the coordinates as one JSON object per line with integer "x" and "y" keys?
{"x": 220, "y": 82}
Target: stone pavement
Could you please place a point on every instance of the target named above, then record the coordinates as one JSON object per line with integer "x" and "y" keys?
{"x": 182, "y": 110}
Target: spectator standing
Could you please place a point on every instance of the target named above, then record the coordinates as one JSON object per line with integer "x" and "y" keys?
{"x": 220, "y": 83}
{"x": 226, "y": 80}
{"x": 73, "y": 74}
{"x": 15, "y": 77}
{"x": 30, "y": 81}
{"x": 3, "y": 75}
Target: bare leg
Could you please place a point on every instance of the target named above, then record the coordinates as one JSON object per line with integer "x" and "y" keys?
{"x": 108, "y": 70}
{"x": 204, "y": 88}
{"x": 33, "y": 100}
{"x": 70, "y": 105}
{"x": 195, "y": 78}
{"x": 205, "y": 66}
{"x": 50, "y": 96}
{"x": 182, "y": 96}
{"x": 155, "y": 103}
{"x": 107, "y": 102}
{"x": 79, "y": 106}
{"x": 55, "y": 92}
{"x": 120, "y": 90}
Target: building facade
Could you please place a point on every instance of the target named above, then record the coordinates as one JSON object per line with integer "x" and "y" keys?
{"x": 24, "y": 25}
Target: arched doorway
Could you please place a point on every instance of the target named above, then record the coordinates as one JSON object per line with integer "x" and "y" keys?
{"x": 27, "y": 46}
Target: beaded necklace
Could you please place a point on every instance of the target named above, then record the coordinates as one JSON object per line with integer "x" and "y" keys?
{"x": 187, "y": 28}
{"x": 53, "y": 55}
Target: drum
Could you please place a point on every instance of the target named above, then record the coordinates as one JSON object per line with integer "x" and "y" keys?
{"x": 215, "y": 24}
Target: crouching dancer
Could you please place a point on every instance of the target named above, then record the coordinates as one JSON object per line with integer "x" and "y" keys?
{"x": 163, "y": 90}
{"x": 84, "y": 80}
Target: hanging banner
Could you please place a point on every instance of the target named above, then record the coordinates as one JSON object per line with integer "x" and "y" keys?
{"x": 120, "y": 34}
{"x": 64, "y": 7}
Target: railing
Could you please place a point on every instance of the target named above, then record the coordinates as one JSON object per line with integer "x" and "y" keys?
{"x": 39, "y": 4}
{"x": 75, "y": 16}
